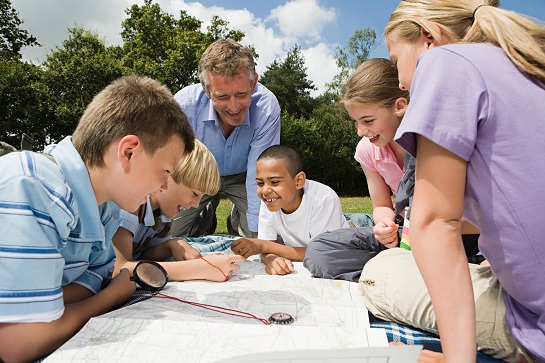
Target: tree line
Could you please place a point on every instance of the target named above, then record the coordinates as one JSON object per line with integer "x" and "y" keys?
{"x": 45, "y": 101}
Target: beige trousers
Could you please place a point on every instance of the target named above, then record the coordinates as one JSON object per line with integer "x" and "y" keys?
{"x": 394, "y": 290}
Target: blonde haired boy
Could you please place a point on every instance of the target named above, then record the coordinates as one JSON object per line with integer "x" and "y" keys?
{"x": 146, "y": 233}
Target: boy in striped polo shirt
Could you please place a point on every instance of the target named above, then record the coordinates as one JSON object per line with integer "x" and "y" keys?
{"x": 58, "y": 216}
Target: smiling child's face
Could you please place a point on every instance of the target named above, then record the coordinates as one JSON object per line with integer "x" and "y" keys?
{"x": 177, "y": 197}
{"x": 276, "y": 187}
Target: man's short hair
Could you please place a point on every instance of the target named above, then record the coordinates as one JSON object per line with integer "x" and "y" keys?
{"x": 131, "y": 105}
{"x": 227, "y": 58}
{"x": 198, "y": 170}
{"x": 291, "y": 157}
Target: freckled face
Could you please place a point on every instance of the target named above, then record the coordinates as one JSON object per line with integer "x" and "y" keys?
{"x": 378, "y": 123}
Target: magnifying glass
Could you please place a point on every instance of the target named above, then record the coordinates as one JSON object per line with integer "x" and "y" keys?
{"x": 150, "y": 276}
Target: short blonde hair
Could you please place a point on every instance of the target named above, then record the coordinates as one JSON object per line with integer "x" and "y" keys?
{"x": 198, "y": 170}
{"x": 474, "y": 21}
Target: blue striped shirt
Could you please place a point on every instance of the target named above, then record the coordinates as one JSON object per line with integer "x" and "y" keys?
{"x": 53, "y": 233}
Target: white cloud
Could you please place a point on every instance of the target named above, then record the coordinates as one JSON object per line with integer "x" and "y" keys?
{"x": 321, "y": 66}
{"x": 268, "y": 45}
{"x": 296, "y": 22}
{"x": 302, "y": 18}
{"x": 48, "y": 21}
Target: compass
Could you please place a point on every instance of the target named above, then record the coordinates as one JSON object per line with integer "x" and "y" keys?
{"x": 281, "y": 318}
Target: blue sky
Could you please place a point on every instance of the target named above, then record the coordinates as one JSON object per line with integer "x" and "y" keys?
{"x": 273, "y": 27}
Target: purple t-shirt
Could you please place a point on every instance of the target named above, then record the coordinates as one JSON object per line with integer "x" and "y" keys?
{"x": 471, "y": 100}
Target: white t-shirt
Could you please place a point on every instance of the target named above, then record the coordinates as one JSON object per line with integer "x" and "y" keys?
{"x": 320, "y": 211}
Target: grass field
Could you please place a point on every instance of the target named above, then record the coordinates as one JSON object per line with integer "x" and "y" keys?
{"x": 350, "y": 205}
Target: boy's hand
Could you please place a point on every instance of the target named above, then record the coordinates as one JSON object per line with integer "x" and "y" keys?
{"x": 386, "y": 232}
{"x": 227, "y": 264}
{"x": 182, "y": 250}
{"x": 279, "y": 266}
{"x": 121, "y": 287}
{"x": 247, "y": 247}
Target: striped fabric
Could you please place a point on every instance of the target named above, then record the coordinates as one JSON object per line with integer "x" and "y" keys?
{"x": 212, "y": 243}
{"x": 401, "y": 333}
{"x": 52, "y": 233}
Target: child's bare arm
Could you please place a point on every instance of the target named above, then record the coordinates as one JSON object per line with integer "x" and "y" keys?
{"x": 122, "y": 241}
{"x": 177, "y": 248}
{"x": 291, "y": 253}
{"x": 252, "y": 246}
{"x": 199, "y": 269}
{"x": 32, "y": 341}
{"x": 73, "y": 292}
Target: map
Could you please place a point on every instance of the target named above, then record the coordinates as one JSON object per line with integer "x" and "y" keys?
{"x": 327, "y": 314}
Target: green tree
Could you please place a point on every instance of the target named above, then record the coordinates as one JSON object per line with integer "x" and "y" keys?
{"x": 22, "y": 95}
{"x": 168, "y": 50}
{"x": 357, "y": 50}
{"x": 23, "y": 102}
{"x": 74, "y": 73}
{"x": 13, "y": 38}
{"x": 326, "y": 143}
{"x": 288, "y": 80}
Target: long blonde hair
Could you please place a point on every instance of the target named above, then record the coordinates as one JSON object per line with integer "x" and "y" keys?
{"x": 474, "y": 21}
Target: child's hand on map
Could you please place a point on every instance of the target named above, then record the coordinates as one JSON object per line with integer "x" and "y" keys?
{"x": 121, "y": 287}
{"x": 279, "y": 266}
{"x": 226, "y": 263}
{"x": 247, "y": 247}
{"x": 386, "y": 232}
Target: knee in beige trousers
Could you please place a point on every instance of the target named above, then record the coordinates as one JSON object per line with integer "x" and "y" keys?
{"x": 394, "y": 290}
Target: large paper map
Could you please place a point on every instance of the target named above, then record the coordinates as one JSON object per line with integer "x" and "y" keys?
{"x": 327, "y": 314}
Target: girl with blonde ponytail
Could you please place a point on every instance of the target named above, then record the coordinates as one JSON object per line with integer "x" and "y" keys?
{"x": 476, "y": 76}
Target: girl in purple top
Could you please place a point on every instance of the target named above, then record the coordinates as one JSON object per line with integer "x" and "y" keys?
{"x": 475, "y": 121}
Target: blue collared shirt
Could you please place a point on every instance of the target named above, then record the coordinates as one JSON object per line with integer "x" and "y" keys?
{"x": 239, "y": 152}
{"x": 53, "y": 232}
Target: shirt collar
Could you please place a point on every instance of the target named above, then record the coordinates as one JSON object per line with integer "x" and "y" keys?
{"x": 385, "y": 154}
{"x": 151, "y": 219}
{"x": 77, "y": 177}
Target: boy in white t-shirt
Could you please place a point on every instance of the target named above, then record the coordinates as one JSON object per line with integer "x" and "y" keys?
{"x": 293, "y": 211}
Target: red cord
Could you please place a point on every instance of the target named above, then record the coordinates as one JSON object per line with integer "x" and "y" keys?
{"x": 215, "y": 308}
{"x": 211, "y": 264}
